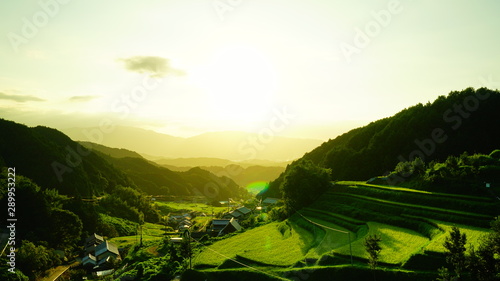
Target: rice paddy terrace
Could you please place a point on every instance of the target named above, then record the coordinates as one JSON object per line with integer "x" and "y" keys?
{"x": 319, "y": 239}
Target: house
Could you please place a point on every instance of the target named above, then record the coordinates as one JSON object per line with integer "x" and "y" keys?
{"x": 89, "y": 261}
{"x": 269, "y": 202}
{"x": 239, "y": 213}
{"x": 99, "y": 253}
{"x": 224, "y": 226}
{"x": 91, "y": 242}
{"x": 176, "y": 240}
{"x": 105, "y": 250}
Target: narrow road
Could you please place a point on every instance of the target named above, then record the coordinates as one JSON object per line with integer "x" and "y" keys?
{"x": 58, "y": 271}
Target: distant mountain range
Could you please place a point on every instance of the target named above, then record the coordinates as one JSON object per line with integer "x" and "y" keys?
{"x": 243, "y": 173}
{"x": 54, "y": 161}
{"x": 236, "y": 146}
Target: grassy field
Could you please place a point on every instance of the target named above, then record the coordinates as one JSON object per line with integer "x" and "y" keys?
{"x": 275, "y": 243}
{"x": 406, "y": 220}
{"x": 180, "y": 207}
{"x": 398, "y": 244}
{"x": 150, "y": 232}
{"x": 473, "y": 236}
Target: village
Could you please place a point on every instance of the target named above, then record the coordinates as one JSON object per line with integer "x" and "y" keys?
{"x": 100, "y": 256}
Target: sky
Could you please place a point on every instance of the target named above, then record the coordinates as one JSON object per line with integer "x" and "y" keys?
{"x": 185, "y": 67}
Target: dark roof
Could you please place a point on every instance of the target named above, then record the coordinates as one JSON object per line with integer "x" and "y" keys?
{"x": 232, "y": 223}
{"x": 89, "y": 259}
{"x": 106, "y": 247}
{"x": 243, "y": 210}
{"x": 270, "y": 200}
{"x": 94, "y": 237}
{"x": 220, "y": 222}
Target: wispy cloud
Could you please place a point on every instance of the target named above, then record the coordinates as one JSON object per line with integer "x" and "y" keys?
{"x": 154, "y": 66}
{"x": 19, "y": 98}
{"x": 82, "y": 98}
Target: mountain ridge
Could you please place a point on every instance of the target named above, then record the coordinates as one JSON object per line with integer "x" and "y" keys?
{"x": 463, "y": 121}
{"x": 231, "y": 145}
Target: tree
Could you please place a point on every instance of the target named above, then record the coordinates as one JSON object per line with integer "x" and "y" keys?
{"x": 455, "y": 246}
{"x": 484, "y": 264}
{"x": 373, "y": 248}
{"x": 66, "y": 228}
{"x": 303, "y": 183}
{"x": 33, "y": 260}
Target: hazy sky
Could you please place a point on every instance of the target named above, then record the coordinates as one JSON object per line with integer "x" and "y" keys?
{"x": 184, "y": 67}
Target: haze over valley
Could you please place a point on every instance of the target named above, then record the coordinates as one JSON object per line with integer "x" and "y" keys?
{"x": 265, "y": 140}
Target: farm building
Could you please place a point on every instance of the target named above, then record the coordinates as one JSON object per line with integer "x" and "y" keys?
{"x": 269, "y": 202}
{"x": 224, "y": 226}
{"x": 239, "y": 213}
{"x": 99, "y": 253}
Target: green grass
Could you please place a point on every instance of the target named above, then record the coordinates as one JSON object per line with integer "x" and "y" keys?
{"x": 398, "y": 244}
{"x": 410, "y": 222}
{"x": 324, "y": 239}
{"x": 150, "y": 232}
{"x": 265, "y": 244}
{"x": 415, "y": 206}
{"x": 167, "y": 207}
{"x": 473, "y": 236}
{"x": 403, "y": 189}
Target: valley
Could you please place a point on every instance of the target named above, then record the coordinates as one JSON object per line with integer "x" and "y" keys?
{"x": 308, "y": 218}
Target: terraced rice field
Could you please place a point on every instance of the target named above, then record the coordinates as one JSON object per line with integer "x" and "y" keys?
{"x": 273, "y": 244}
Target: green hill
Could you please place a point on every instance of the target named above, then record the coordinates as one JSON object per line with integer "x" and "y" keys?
{"x": 320, "y": 238}
{"x": 463, "y": 121}
{"x": 157, "y": 180}
{"x": 53, "y": 160}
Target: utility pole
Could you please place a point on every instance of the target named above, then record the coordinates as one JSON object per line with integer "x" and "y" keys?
{"x": 187, "y": 235}
{"x": 350, "y": 245}
{"x": 141, "y": 236}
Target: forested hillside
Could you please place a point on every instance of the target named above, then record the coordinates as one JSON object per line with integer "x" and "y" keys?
{"x": 463, "y": 121}
{"x": 53, "y": 161}
{"x": 154, "y": 179}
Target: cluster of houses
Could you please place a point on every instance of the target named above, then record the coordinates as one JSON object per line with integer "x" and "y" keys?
{"x": 230, "y": 220}
{"x": 100, "y": 255}
{"x": 181, "y": 222}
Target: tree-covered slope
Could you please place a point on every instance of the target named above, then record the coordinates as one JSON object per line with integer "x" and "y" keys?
{"x": 54, "y": 161}
{"x": 155, "y": 179}
{"x": 463, "y": 121}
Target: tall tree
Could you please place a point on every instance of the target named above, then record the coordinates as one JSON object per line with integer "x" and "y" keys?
{"x": 455, "y": 246}
{"x": 373, "y": 248}
{"x": 303, "y": 183}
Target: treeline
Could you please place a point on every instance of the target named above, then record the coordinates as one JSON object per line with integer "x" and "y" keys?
{"x": 457, "y": 174}
{"x": 477, "y": 264}
{"x": 463, "y": 121}
{"x": 54, "y": 161}
{"x": 48, "y": 222}
{"x": 300, "y": 185}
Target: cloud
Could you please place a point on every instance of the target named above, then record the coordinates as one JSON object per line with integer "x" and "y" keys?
{"x": 154, "y": 66}
{"x": 82, "y": 98}
{"x": 19, "y": 98}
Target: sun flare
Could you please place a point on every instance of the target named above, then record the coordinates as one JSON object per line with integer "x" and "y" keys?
{"x": 239, "y": 83}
